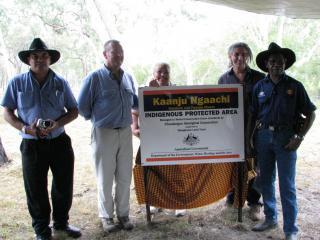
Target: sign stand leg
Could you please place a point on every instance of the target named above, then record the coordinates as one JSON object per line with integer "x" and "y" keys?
{"x": 145, "y": 178}
{"x": 241, "y": 164}
{"x": 240, "y": 180}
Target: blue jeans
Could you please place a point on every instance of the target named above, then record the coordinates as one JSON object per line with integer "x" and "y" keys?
{"x": 271, "y": 152}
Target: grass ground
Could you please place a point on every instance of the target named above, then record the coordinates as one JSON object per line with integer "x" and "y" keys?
{"x": 211, "y": 222}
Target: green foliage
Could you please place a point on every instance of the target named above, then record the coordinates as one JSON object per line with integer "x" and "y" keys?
{"x": 206, "y": 71}
{"x": 63, "y": 25}
{"x": 192, "y": 36}
{"x": 142, "y": 74}
{"x": 178, "y": 75}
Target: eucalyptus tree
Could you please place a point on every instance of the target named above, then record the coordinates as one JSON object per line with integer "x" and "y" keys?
{"x": 63, "y": 24}
{"x": 192, "y": 36}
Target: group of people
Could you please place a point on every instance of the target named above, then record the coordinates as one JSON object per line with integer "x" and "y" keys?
{"x": 274, "y": 105}
{"x": 40, "y": 102}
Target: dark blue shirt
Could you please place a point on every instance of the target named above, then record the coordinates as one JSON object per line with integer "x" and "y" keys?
{"x": 251, "y": 78}
{"x": 280, "y": 104}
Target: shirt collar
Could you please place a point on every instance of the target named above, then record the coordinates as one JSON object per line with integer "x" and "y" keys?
{"x": 230, "y": 71}
{"x": 248, "y": 73}
{"x": 283, "y": 77}
{"x": 110, "y": 73}
{"x": 49, "y": 77}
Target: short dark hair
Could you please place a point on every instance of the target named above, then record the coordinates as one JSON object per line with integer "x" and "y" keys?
{"x": 109, "y": 42}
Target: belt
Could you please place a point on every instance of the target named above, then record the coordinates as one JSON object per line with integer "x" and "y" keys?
{"x": 117, "y": 128}
{"x": 274, "y": 128}
{"x": 46, "y": 140}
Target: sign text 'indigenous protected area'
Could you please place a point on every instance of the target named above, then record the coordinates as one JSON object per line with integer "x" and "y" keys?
{"x": 191, "y": 124}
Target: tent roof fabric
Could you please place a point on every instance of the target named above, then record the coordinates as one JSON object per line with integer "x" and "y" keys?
{"x": 304, "y": 9}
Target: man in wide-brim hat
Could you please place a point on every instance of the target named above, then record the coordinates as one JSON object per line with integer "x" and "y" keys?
{"x": 38, "y": 45}
{"x": 263, "y": 56}
{"x": 44, "y": 104}
{"x": 279, "y": 101}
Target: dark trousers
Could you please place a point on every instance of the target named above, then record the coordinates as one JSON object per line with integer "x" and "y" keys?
{"x": 253, "y": 197}
{"x": 37, "y": 157}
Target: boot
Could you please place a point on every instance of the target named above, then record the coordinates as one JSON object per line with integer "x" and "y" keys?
{"x": 254, "y": 212}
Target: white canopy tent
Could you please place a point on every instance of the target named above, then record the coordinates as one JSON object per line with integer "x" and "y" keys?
{"x": 308, "y": 9}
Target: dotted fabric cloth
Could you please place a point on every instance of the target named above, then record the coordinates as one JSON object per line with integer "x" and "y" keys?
{"x": 187, "y": 186}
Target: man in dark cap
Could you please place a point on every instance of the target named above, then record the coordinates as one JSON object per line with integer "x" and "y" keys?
{"x": 278, "y": 102}
{"x": 39, "y": 103}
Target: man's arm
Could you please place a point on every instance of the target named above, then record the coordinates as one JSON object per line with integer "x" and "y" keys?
{"x": 68, "y": 117}
{"x": 15, "y": 122}
{"x": 297, "y": 139}
{"x": 71, "y": 114}
{"x": 135, "y": 123}
{"x": 12, "y": 119}
{"x": 307, "y": 124}
{"x": 85, "y": 98}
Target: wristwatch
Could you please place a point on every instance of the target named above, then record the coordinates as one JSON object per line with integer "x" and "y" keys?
{"x": 297, "y": 136}
{"x": 24, "y": 129}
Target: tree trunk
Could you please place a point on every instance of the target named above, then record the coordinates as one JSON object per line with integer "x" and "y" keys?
{"x": 6, "y": 68}
{"x": 3, "y": 156}
{"x": 98, "y": 13}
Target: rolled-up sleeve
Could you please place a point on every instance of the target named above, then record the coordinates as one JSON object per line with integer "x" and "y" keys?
{"x": 304, "y": 103}
{"x": 10, "y": 98}
{"x": 85, "y": 98}
{"x": 135, "y": 102}
{"x": 70, "y": 101}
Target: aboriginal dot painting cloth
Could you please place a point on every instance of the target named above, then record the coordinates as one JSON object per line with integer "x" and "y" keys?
{"x": 187, "y": 186}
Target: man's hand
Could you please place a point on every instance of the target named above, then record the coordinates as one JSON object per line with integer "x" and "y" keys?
{"x": 136, "y": 132}
{"x": 43, "y": 132}
{"x": 32, "y": 129}
{"x": 154, "y": 83}
{"x": 294, "y": 143}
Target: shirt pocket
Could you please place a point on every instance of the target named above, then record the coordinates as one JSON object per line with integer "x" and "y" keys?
{"x": 56, "y": 99}
{"x": 108, "y": 93}
{"x": 107, "y": 99}
{"x": 25, "y": 100}
{"x": 287, "y": 107}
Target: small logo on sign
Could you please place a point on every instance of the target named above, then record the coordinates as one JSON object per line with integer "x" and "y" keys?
{"x": 290, "y": 92}
{"x": 191, "y": 139}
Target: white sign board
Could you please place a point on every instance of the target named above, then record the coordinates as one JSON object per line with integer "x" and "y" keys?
{"x": 191, "y": 124}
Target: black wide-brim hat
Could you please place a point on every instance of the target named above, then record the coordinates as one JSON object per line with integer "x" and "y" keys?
{"x": 38, "y": 45}
{"x": 263, "y": 56}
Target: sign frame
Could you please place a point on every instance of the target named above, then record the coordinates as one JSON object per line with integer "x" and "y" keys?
{"x": 178, "y": 124}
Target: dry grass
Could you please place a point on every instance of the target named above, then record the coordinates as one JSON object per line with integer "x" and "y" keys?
{"x": 210, "y": 222}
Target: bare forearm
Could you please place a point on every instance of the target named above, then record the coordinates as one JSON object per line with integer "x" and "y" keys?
{"x": 307, "y": 124}
{"x": 68, "y": 117}
{"x": 12, "y": 119}
{"x": 135, "y": 123}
